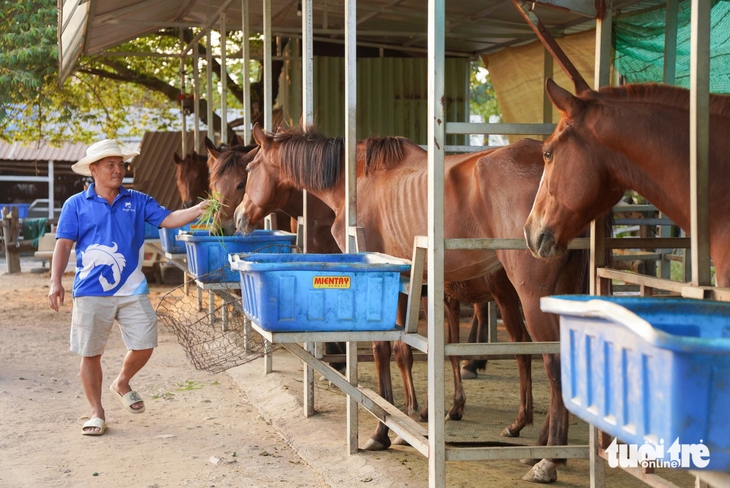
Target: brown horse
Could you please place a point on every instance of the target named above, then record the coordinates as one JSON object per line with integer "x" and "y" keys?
{"x": 191, "y": 174}
{"x": 629, "y": 137}
{"x": 488, "y": 194}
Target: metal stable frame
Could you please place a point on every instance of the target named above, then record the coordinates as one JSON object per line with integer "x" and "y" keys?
{"x": 430, "y": 442}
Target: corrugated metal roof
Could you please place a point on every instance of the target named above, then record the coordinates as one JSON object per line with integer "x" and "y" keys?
{"x": 472, "y": 28}
{"x": 154, "y": 168}
{"x": 42, "y": 152}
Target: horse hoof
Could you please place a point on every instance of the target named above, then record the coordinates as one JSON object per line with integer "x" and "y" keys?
{"x": 373, "y": 445}
{"x": 399, "y": 441}
{"x": 452, "y": 415}
{"x": 542, "y": 472}
{"x": 508, "y": 433}
{"x": 467, "y": 374}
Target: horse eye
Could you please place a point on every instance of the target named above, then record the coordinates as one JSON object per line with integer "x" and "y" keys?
{"x": 241, "y": 186}
{"x": 547, "y": 155}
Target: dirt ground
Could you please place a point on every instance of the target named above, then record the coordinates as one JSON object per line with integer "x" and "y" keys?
{"x": 234, "y": 429}
{"x": 199, "y": 429}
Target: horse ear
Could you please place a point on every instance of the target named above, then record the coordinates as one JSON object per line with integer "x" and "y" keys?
{"x": 210, "y": 148}
{"x": 561, "y": 98}
{"x": 235, "y": 141}
{"x": 176, "y": 158}
{"x": 259, "y": 135}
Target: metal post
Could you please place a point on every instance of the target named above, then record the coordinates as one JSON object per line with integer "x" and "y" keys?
{"x": 209, "y": 79}
{"x": 670, "y": 41}
{"x": 196, "y": 97}
{"x": 436, "y": 137}
{"x": 51, "y": 191}
{"x": 547, "y": 72}
{"x": 699, "y": 128}
{"x": 183, "y": 128}
{"x": 308, "y": 119}
{"x": 246, "y": 54}
{"x": 224, "y": 83}
{"x": 351, "y": 190}
{"x": 267, "y": 65}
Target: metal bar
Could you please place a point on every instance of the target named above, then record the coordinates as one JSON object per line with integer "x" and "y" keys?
{"x": 699, "y": 128}
{"x": 224, "y": 82}
{"x": 351, "y": 120}
{"x": 416, "y": 281}
{"x": 308, "y": 380}
{"x": 596, "y": 465}
{"x": 549, "y": 42}
{"x": 416, "y": 341}
{"x": 637, "y": 279}
{"x": 267, "y": 66}
{"x": 670, "y": 42}
{"x": 515, "y": 452}
{"x": 209, "y": 78}
{"x": 352, "y": 413}
{"x": 51, "y": 191}
{"x": 246, "y": 82}
{"x": 410, "y": 430}
{"x": 501, "y": 348}
{"x": 394, "y": 334}
{"x": 643, "y": 221}
{"x": 209, "y": 21}
{"x": 602, "y": 74}
{"x": 548, "y": 70}
{"x": 39, "y": 179}
{"x": 196, "y": 97}
{"x": 435, "y": 140}
{"x": 504, "y": 129}
{"x": 338, "y": 380}
{"x": 183, "y": 128}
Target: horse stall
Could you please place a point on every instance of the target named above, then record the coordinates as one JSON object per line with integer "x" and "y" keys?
{"x": 433, "y": 246}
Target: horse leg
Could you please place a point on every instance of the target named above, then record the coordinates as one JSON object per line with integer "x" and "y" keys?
{"x": 545, "y": 471}
{"x": 477, "y": 333}
{"x": 509, "y": 305}
{"x": 456, "y": 412}
{"x": 379, "y": 440}
{"x": 534, "y": 279}
{"x": 403, "y": 355}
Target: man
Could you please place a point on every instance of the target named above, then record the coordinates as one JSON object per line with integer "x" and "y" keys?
{"x": 107, "y": 224}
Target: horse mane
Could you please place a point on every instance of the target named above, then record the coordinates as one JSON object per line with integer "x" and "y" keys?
{"x": 229, "y": 159}
{"x": 308, "y": 158}
{"x": 385, "y": 152}
{"x": 667, "y": 95}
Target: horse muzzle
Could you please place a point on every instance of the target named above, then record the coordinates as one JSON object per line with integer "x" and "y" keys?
{"x": 243, "y": 224}
{"x": 542, "y": 243}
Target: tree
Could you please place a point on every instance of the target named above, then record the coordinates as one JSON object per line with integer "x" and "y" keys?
{"x": 482, "y": 100}
{"x": 112, "y": 95}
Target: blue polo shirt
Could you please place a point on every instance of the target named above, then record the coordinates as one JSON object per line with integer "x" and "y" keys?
{"x": 109, "y": 240}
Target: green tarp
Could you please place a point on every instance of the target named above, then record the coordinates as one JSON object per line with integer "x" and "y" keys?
{"x": 639, "y": 46}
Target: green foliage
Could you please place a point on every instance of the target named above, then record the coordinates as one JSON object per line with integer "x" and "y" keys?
{"x": 482, "y": 100}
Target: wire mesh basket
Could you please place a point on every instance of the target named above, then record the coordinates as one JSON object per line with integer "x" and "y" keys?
{"x": 211, "y": 327}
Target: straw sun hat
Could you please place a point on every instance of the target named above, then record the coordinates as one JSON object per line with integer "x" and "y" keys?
{"x": 100, "y": 150}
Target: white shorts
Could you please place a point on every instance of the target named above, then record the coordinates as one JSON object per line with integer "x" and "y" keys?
{"x": 93, "y": 317}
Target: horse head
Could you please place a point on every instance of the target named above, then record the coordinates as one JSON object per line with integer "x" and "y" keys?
{"x": 192, "y": 178}
{"x": 576, "y": 186}
{"x": 291, "y": 159}
{"x": 228, "y": 179}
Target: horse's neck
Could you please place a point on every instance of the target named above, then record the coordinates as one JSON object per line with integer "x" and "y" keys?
{"x": 659, "y": 172}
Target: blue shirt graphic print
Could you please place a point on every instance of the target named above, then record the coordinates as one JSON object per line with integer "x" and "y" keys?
{"x": 109, "y": 240}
